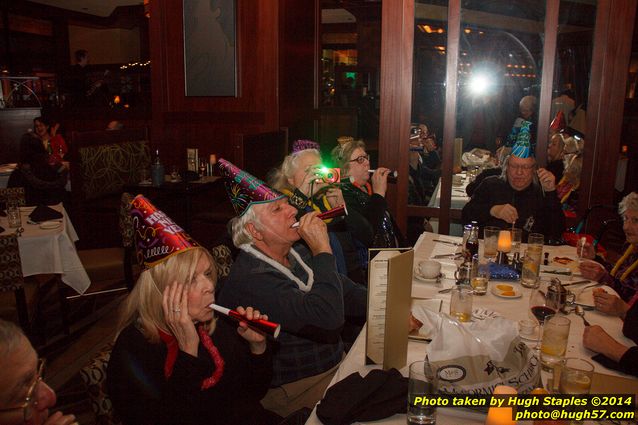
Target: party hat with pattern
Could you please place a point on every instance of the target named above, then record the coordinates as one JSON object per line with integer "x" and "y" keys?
{"x": 244, "y": 189}
{"x": 302, "y": 145}
{"x": 157, "y": 237}
{"x": 522, "y": 147}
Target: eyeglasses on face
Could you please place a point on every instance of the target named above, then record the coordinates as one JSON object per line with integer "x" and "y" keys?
{"x": 30, "y": 403}
{"x": 361, "y": 159}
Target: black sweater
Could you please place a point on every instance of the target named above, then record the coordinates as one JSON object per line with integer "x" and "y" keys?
{"x": 141, "y": 394}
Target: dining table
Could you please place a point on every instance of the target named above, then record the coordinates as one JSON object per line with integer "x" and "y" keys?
{"x": 442, "y": 247}
{"x": 49, "y": 248}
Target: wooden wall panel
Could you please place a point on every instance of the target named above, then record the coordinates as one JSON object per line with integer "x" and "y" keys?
{"x": 207, "y": 123}
{"x": 274, "y": 90}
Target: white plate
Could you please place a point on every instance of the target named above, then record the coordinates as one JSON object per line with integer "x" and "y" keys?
{"x": 420, "y": 277}
{"x": 145, "y": 183}
{"x": 50, "y": 224}
{"x": 585, "y": 297}
{"x": 499, "y": 292}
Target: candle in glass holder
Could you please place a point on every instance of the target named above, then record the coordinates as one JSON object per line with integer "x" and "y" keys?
{"x": 501, "y": 415}
{"x": 504, "y": 241}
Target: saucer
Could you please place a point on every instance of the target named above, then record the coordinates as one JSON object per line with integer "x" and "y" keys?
{"x": 509, "y": 292}
{"x": 420, "y": 277}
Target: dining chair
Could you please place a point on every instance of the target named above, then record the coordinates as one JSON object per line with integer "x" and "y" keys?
{"x": 94, "y": 376}
{"x": 111, "y": 270}
{"x": 17, "y": 295}
{"x": 15, "y": 194}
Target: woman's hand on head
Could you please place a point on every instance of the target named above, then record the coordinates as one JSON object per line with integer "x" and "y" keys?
{"x": 380, "y": 181}
{"x": 175, "y": 307}
{"x": 256, "y": 340}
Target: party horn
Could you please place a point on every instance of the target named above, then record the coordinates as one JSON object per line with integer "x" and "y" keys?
{"x": 333, "y": 213}
{"x": 392, "y": 175}
{"x": 260, "y": 325}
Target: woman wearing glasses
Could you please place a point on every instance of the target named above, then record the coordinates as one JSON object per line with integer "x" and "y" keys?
{"x": 366, "y": 195}
{"x": 300, "y": 178}
{"x": 24, "y": 396}
{"x": 621, "y": 276}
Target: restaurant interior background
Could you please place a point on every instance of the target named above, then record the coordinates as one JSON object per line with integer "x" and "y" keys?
{"x": 335, "y": 70}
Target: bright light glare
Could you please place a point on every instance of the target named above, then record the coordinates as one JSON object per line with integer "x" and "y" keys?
{"x": 479, "y": 84}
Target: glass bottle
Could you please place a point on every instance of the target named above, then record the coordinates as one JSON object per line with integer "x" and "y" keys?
{"x": 157, "y": 171}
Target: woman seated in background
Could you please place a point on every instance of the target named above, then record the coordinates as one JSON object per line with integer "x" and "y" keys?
{"x": 42, "y": 174}
{"x": 167, "y": 365}
{"x": 47, "y": 132}
{"x": 366, "y": 196}
{"x": 622, "y": 276}
{"x": 299, "y": 178}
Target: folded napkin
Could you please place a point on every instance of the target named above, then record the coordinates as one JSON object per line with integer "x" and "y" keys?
{"x": 43, "y": 213}
{"x": 379, "y": 395}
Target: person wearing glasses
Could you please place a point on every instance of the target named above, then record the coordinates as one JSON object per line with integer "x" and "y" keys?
{"x": 523, "y": 196}
{"x": 622, "y": 276}
{"x": 25, "y": 398}
{"x": 300, "y": 178}
{"x": 366, "y": 195}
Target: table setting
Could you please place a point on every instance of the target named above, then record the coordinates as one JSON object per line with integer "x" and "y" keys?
{"x": 47, "y": 244}
{"x": 439, "y": 263}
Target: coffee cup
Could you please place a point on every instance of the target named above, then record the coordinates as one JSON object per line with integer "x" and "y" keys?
{"x": 429, "y": 269}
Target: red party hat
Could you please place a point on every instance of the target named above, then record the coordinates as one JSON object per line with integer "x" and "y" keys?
{"x": 157, "y": 237}
{"x": 558, "y": 123}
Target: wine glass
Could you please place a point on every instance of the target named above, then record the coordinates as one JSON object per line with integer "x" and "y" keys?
{"x": 543, "y": 303}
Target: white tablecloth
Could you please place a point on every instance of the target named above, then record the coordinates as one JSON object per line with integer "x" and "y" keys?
{"x": 458, "y": 201}
{"x": 5, "y": 172}
{"x": 50, "y": 251}
{"x": 514, "y": 309}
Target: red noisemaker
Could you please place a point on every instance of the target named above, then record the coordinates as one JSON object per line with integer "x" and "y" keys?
{"x": 260, "y": 325}
{"x": 333, "y": 213}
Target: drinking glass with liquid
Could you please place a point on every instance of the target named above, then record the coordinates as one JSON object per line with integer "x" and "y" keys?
{"x": 532, "y": 260}
{"x": 461, "y": 303}
{"x": 422, "y": 385}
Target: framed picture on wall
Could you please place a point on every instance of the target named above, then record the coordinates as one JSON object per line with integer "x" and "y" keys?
{"x": 210, "y": 60}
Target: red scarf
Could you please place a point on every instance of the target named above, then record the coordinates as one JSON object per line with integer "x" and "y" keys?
{"x": 207, "y": 342}
{"x": 367, "y": 187}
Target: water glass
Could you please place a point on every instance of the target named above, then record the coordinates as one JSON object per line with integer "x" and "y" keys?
{"x": 490, "y": 241}
{"x": 532, "y": 260}
{"x": 422, "y": 383}
{"x": 554, "y": 342}
{"x": 517, "y": 237}
{"x": 461, "y": 303}
{"x": 480, "y": 278}
{"x": 575, "y": 376}
{"x": 13, "y": 215}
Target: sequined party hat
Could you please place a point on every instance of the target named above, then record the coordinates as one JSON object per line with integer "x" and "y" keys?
{"x": 522, "y": 148}
{"x": 244, "y": 189}
{"x": 157, "y": 236}
{"x": 303, "y": 144}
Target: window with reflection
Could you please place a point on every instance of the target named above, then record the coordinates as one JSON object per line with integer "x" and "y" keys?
{"x": 570, "y": 90}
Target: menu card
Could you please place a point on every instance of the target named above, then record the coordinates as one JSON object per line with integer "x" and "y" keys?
{"x": 389, "y": 300}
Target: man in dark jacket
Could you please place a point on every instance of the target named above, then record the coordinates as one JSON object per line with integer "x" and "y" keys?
{"x": 523, "y": 196}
